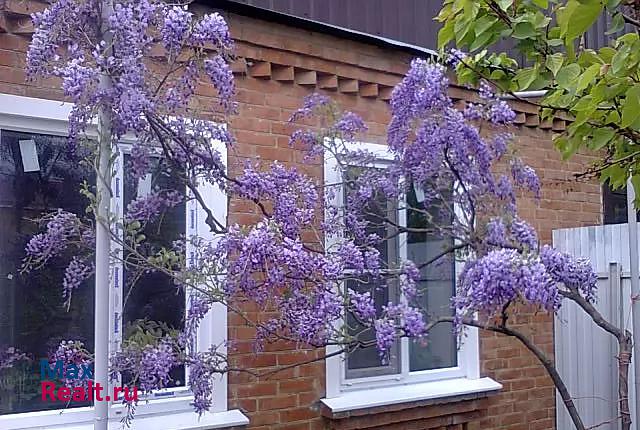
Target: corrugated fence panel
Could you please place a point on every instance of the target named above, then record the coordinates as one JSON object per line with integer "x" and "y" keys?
{"x": 585, "y": 354}
{"x": 409, "y": 21}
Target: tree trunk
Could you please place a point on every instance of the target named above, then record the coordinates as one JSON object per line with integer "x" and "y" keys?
{"x": 625, "y": 348}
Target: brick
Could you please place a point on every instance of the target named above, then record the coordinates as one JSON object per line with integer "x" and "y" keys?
{"x": 297, "y": 385}
{"x": 255, "y": 138}
{"x": 239, "y": 66}
{"x": 261, "y": 389}
{"x": 280, "y": 402}
{"x": 368, "y": 90}
{"x": 328, "y": 82}
{"x": 282, "y": 73}
{"x": 260, "y": 69}
{"x": 305, "y": 77}
{"x": 297, "y": 414}
{"x": 348, "y": 86}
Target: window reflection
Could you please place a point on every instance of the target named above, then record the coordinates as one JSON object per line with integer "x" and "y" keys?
{"x": 436, "y": 286}
{"x": 32, "y": 316}
{"x": 153, "y": 299}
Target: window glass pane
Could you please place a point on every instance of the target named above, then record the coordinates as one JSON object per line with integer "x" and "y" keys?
{"x": 366, "y": 361}
{"x": 152, "y": 298}
{"x": 615, "y": 204}
{"x": 435, "y": 289}
{"x": 32, "y": 316}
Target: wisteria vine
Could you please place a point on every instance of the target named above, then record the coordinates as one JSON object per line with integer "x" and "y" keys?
{"x": 308, "y": 241}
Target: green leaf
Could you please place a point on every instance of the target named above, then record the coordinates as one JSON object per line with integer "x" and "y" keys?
{"x": 619, "y": 60}
{"x": 524, "y": 30}
{"x": 631, "y": 108}
{"x": 567, "y": 145}
{"x": 588, "y": 76}
{"x": 567, "y": 75}
{"x": 480, "y": 41}
{"x": 600, "y": 138}
{"x": 525, "y": 77}
{"x": 617, "y": 24}
{"x": 484, "y": 23}
{"x": 607, "y": 53}
{"x": 541, "y": 3}
{"x": 504, "y": 4}
{"x": 578, "y": 16}
{"x": 554, "y": 62}
{"x": 612, "y": 4}
{"x": 445, "y": 35}
{"x": 460, "y": 28}
{"x": 498, "y": 75}
{"x": 616, "y": 175}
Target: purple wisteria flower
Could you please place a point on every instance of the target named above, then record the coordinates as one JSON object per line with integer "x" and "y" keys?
{"x": 72, "y": 352}
{"x": 524, "y": 176}
{"x": 148, "y": 207}
{"x": 496, "y": 232}
{"x": 213, "y": 29}
{"x": 175, "y": 28}
{"x": 311, "y": 103}
{"x": 221, "y": 75}
{"x": 10, "y": 356}
{"x": 501, "y": 277}
{"x": 203, "y": 368}
{"x": 149, "y": 366}
{"x": 363, "y": 306}
{"x": 60, "y": 228}
{"x": 385, "y": 337}
{"x": 571, "y": 271}
{"x": 293, "y": 195}
{"x": 455, "y": 56}
{"x": 76, "y": 272}
{"x": 349, "y": 125}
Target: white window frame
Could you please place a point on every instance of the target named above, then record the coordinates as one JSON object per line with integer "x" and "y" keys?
{"x": 344, "y": 394}
{"x": 49, "y": 117}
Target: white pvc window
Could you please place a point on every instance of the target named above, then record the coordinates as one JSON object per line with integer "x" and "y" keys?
{"x": 411, "y": 362}
{"x": 30, "y": 129}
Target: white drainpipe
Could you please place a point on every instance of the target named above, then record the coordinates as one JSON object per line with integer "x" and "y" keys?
{"x": 103, "y": 241}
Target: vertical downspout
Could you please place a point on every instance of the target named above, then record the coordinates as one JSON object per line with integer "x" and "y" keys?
{"x": 103, "y": 236}
{"x": 635, "y": 293}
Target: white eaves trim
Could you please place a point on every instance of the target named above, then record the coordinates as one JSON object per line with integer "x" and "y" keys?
{"x": 396, "y": 394}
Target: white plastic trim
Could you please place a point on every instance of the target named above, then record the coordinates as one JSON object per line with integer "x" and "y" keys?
{"x": 370, "y": 398}
{"x": 337, "y": 386}
{"x": 82, "y": 419}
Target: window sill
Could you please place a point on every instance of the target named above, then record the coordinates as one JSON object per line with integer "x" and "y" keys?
{"x": 186, "y": 420}
{"x": 431, "y": 392}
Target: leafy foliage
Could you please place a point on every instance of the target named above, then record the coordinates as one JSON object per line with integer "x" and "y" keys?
{"x": 599, "y": 89}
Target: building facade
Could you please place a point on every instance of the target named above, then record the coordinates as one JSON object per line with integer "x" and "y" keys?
{"x": 492, "y": 383}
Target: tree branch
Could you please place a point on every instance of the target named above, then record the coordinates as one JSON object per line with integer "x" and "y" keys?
{"x": 540, "y": 355}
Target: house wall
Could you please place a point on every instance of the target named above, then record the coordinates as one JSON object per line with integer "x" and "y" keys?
{"x": 277, "y": 66}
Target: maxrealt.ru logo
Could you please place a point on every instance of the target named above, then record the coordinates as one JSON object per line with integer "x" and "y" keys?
{"x": 78, "y": 384}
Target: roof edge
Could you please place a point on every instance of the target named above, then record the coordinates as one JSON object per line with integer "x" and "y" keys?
{"x": 317, "y": 26}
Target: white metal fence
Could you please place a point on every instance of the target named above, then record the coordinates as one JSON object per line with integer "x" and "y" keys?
{"x": 585, "y": 354}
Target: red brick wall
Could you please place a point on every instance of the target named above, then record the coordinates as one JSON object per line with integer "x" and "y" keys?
{"x": 276, "y": 69}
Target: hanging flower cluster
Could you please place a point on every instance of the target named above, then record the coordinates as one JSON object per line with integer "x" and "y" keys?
{"x": 10, "y": 356}
{"x": 72, "y": 353}
{"x": 118, "y": 47}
